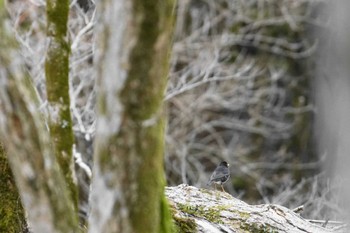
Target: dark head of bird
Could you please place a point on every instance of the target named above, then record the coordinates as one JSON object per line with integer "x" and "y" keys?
{"x": 224, "y": 163}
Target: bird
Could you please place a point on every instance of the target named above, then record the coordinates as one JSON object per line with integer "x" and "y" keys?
{"x": 220, "y": 175}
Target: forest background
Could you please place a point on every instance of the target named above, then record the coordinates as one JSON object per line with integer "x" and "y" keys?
{"x": 245, "y": 85}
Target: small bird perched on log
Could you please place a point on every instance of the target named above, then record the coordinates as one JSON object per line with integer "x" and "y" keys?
{"x": 220, "y": 175}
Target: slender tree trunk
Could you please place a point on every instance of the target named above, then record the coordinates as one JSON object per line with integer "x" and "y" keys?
{"x": 27, "y": 143}
{"x": 133, "y": 40}
{"x": 57, "y": 88}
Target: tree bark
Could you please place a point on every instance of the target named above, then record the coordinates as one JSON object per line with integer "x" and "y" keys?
{"x": 133, "y": 42}
{"x": 202, "y": 210}
{"x": 27, "y": 143}
{"x": 42, "y": 187}
{"x": 11, "y": 211}
{"x": 57, "y": 88}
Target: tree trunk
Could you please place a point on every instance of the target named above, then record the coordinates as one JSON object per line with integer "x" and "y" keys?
{"x": 41, "y": 185}
{"x": 133, "y": 42}
{"x": 57, "y": 88}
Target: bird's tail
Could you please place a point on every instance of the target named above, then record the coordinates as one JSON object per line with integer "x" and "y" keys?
{"x": 209, "y": 183}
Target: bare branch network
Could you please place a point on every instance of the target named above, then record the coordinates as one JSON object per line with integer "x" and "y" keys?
{"x": 238, "y": 90}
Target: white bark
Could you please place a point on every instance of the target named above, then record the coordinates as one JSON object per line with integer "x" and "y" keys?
{"x": 112, "y": 53}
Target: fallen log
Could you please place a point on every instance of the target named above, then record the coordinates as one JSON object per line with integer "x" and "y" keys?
{"x": 210, "y": 211}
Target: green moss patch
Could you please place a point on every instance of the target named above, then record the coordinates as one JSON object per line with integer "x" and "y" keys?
{"x": 184, "y": 225}
{"x": 211, "y": 214}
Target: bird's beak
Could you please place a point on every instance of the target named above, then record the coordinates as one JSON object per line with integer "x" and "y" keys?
{"x": 228, "y": 164}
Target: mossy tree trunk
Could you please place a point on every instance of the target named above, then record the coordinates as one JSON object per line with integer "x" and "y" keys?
{"x": 57, "y": 88}
{"x": 41, "y": 185}
{"x": 42, "y": 188}
{"x": 133, "y": 42}
{"x": 11, "y": 212}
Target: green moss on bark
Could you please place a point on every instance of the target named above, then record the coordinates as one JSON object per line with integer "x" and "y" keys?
{"x": 184, "y": 225}
{"x": 11, "y": 211}
{"x": 143, "y": 121}
{"x": 144, "y": 89}
{"x": 210, "y": 214}
{"x": 131, "y": 159}
{"x": 57, "y": 88}
{"x": 26, "y": 141}
{"x": 150, "y": 179}
{"x": 12, "y": 217}
{"x": 257, "y": 228}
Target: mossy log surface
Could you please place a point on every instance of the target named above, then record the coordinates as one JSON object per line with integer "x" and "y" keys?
{"x": 203, "y": 210}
